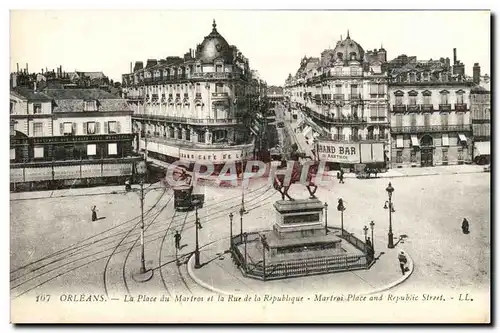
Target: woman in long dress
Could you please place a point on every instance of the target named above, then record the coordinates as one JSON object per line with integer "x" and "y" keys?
{"x": 94, "y": 213}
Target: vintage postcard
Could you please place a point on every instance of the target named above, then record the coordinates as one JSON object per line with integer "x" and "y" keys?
{"x": 250, "y": 166}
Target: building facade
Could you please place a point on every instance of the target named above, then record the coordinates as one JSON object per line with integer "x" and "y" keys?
{"x": 481, "y": 124}
{"x": 344, "y": 93}
{"x": 197, "y": 107}
{"x": 430, "y": 112}
{"x": 65, "y": 137}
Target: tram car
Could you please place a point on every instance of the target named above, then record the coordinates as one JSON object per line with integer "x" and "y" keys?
{"x": 183, "y": 197}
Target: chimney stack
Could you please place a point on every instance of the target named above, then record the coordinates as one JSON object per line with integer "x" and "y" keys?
{"x": 476, "y": 73}
{"x": 27, "y": 68}
{"x": 17, "y": 67}
{"x": 131, "y": 67}
{"x": 454, "y": 56}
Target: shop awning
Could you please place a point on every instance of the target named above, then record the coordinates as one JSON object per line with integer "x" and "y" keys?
{"x": 307, "y": 130}
{"x": 462, "y": 137}
{"x": 446, "y": 140}
{"x": 481, "y": 148}
{"x": 414, "y": 141}
{"x": 399, "y": 141}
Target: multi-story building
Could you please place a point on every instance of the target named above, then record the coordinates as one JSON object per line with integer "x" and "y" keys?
{"x": 430, "y": 112}
{"x": 197, "y": 107}
{"x": 344, "y": 93}
{"x": 65, "y": 137}
{"x": 481, "y": 124}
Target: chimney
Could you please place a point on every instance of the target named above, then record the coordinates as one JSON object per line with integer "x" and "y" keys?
{"x": 151, "y": 63}
{"x": 138, "y": 66}
{"x": 17, "y": 67}
{"x": 27, "y": 68}
{"x": 131, "y": 67}
{"x": 476, "y": 73}
{"x": 454, "y": 56}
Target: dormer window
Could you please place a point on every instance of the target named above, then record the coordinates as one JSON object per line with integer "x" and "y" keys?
{"x": 218, "y": 68}
{"x": 90, "y": 106}
{"x": 37, "y": 108}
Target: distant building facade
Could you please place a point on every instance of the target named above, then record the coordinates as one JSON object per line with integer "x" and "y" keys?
{"x": 481, "y": 124}
{"x": 198, "y": 107}
{"x": 430, "y": 112}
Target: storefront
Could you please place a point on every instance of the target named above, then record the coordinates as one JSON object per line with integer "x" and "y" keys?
{"x": 482, "y": 152}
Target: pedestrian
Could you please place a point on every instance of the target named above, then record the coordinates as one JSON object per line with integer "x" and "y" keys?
{"x": 94, "y": 213}
{"x": 465, "y": 226}
{"x": 402, "y": 261}
{"x": 341, "y": 176}
{"x": 177, "y": 239}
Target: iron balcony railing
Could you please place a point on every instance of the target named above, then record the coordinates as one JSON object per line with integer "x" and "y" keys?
{"x": 194, "y": 121}
{"x": 431, "y": 128}
{"x": 336, "y": 120}
{"x": 413, "y": 107}
{"x": 427, "y": 107}
{"x": 461, "y": 107}
{"x": 445, "y": 107}
{"x": 358, "y": 138}
{"x": 398, "y": 108}
{"x": 220, "y": 95}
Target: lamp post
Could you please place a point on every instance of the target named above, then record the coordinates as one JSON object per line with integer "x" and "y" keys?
{"x": 245, "y": 237}
{"x": 372, "y": 225}
{"x": 365, "y": 229}
{"x": 341, "y": 208}
{"x": 144, "y": 274}
{"x": 197, "y": 226}
{"x": 326, "y": 218}
{"x": 389, "y": 205}
{"x": 231, "y": 231}
{"x": 242, "y": 211}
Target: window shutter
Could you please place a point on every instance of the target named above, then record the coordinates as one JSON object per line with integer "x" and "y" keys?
{"x": 105, "y": 127}
{"x": 97, "y": 128}
{"x": 118, "y": 127}
{"x": 61, "y": 128}
{"x": 74, "y": 128}
{"x": 84, "y": 128}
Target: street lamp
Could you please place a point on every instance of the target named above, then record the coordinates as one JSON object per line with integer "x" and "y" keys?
{"x": 143, "y": 275}
{"x": 245, "y": 237}
{"x": 341, "y": 208}
{"x": 196, "y": 202}
{"x": 231, "y": 231}
{"x": 326, "y": 218}
{"x": 389, "y": 205}
{"x": 372, "y": 225}
{"x": 365, "y": 229}
{"x": 242, "y": 211}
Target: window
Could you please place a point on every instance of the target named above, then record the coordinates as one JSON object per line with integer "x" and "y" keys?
{"x": 444, "y": 98}
{"x": 445, "y": 155}
{"x": 399, "y": 120}
{"x": 413, "y": 120}
{"x": 399, "y": 156}
{"x": 354, "y": 89}
{"x": 38, "y": 152}
{"x": 413, "y": 156}
{"x": 218, "y": 68}
{"x": 444, "y": 119}
{"x": 12, "y": 104}
{"x": 427, "y": 120}
{"x": 460, "y": 98}
{"x": 399, "y": 100}
{"x": 412, "y": 100}
{"x": 338, "y": 89}
{"x": 68, "y": 128}
{"x": 37, "y": 108}
{"x": 37, "y": 129}
{"x": 90, "y": 106}
{"x": 91, "y": 150}
{"x": 198, "y": 88}
{"x": 112, "y": 149}
{"x": 427, "y": 99}
{"x": 219, "y": 88}
{"x": 460, "y": 118}
{"x": 12, "y": 153}
{"x": 91, "y": 127}
{"x": 112, "y": 127}
{"x": 411, "y": 77}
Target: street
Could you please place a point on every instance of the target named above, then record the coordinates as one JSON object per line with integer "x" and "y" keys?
{"x": 64, "y": 251}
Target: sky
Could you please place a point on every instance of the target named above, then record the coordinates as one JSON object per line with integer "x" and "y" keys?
{"x": 273, "y": 41}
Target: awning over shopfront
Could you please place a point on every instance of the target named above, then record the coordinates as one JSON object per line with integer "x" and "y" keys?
{"x": 307, "y": 130}
{"x": 446, "y": 140}
{"x": 399, "y": 141}
{"x": 481, "y": 148}
{"x": 462, "y": 137}
{"x": 414, "y": 141}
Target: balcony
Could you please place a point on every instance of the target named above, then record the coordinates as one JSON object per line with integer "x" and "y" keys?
{"x": 348, "y": 138}
{"x": 413, "y": 107}
{"x": 377, "y": 95}
{"x": 399, "y": 108}
{"x": 444, "y": 107}
{"x": 377, "y": 137}
{"x": 354, "y": 97}
{"x": 427, "y": 107}
{"x": 338, "y": 120}
{"x": 431, "y": 129}
{"x": 461, "y": 107}
{"x": 190, "y": 121}
{"x": 218, "y": 76}
{"x": 220, "y": 95}
{"x": 338, "y": 96}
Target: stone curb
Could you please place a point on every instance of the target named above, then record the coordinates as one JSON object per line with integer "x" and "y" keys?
{"x": 398, "y": 281}
{"x": 376, "y": 291}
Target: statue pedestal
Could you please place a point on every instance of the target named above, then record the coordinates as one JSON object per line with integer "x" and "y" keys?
{"x": 299, "y": 232}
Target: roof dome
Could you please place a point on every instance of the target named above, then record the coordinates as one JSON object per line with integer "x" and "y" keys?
{"x": 348, "y": 49}
{"x": 214, "y": 46}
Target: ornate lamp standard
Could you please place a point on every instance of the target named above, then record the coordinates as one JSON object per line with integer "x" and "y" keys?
{"x": 242, "y": 211}
{"x": 390, "y": 206}
{"x": 144, "y": 274}
{"x": 231, "y": 231}
{"x": 372, "y": 225}
{"x": 341, "y": 208}
{"x": 245, "y": 237}
{"x": 196, "y": 202}
{"x": 326, "y": 218}
{"x": 365, "y": 229}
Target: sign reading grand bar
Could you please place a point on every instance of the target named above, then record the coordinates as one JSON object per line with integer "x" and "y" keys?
{"x": 338, "y": 152}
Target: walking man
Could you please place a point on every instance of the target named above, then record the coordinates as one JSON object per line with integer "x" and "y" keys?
{"x": 402, "y": 262}
{"x": 341, "y": 176}
{"x": 177, "y": 237}
{"x": 465, "y": 226}
{"x": 94, "y": 213}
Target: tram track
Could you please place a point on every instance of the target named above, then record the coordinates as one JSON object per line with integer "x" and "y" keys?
{"x": 114, "y": 249}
